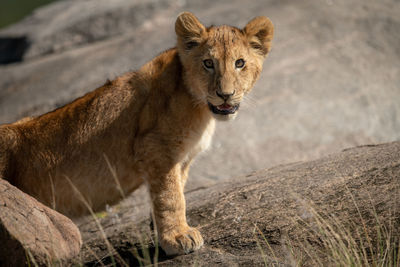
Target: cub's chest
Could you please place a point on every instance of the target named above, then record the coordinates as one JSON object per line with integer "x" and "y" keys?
{"x": 199, "y": 139}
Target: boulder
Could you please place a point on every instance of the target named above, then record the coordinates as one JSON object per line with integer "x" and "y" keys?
{"x": 32, "y": 233}
{"x": 70, "y": 24}
{"x": 273, "y": 216}
{"x": 331, "y": 80}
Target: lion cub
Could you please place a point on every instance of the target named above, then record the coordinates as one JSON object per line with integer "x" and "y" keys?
{"x": 148, "y": 124}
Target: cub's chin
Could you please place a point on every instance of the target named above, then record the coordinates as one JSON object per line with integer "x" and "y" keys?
{"x": 224, "y": 112}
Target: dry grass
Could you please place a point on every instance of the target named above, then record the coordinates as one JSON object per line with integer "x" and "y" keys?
{"x": 141, "y": 253}
{"x": 351, "y": 244}
{"x": 329, "y": 241}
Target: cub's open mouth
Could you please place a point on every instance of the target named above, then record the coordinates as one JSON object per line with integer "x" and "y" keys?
{"x": 223, "y": 109}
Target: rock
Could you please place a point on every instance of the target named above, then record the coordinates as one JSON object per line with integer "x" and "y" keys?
{"x": 69, "y": 24}
{"x": 33, "y": 234}
{"x": 330, "y": 82}
{"x": 359, "y": 187}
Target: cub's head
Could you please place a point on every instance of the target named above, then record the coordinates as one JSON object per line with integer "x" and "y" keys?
{"x": 221, "y": 64}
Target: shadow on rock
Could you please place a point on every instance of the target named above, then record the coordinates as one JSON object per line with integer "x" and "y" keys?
{"x": 132, "y": 255}
{"x": 13, "y": 49}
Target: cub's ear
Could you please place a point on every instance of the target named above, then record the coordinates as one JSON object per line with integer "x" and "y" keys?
{"x": 189, "y": 30}
{"x": 260, "y": 32}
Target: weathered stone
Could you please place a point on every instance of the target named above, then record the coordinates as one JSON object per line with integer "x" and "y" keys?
{"x": 359, "y": 186}
{"x": 31, "y": 232}
{"x": 331, "y": 80}
{"x": 69, "y": 24}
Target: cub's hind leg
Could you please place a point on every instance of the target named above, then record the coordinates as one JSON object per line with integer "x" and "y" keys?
{"x": 8, "y": 147}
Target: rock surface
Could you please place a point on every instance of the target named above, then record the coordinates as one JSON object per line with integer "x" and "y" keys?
{"x": 358, "y": 187}
{"x": 331, "y": 81}
{"x": 30, "y": 231}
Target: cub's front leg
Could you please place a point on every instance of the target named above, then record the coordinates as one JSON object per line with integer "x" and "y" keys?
{"x": 166, "y": 191}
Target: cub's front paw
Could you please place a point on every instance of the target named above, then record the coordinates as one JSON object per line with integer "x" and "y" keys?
{"x": 181, "y": 241}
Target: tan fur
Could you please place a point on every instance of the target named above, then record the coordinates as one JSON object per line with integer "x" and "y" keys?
{"x": 148, "y": 124}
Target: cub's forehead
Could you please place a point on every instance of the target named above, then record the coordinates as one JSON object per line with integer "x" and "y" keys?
{"x": 226, "y": 39}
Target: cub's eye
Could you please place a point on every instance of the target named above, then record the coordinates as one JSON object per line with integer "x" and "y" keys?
{"x": 239, "y": 63}
{"x": 208, "y": 63}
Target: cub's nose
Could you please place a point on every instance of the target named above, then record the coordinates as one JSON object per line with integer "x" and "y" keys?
{"x": 225, "y": 96}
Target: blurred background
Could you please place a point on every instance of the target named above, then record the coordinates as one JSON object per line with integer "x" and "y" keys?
{"x": 14, "y": 10}
{"x": 331, "y": 81}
